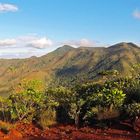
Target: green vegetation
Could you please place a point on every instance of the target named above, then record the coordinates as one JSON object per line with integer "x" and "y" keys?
{"x": 91, "y": 103}
{"x": 82, "y": 86}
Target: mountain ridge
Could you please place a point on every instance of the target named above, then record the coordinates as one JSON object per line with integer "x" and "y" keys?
{"x": 68, "y": 63}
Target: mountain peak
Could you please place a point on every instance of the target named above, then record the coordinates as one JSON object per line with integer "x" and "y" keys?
{"x": 67, "y": 47}
{"x": 133, "y": 45}
{"x": 63, "y": 49}
{"x": 124, "y": 45}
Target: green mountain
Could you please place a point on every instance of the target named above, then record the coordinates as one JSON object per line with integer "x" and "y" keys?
{"x": 68, "y": 63}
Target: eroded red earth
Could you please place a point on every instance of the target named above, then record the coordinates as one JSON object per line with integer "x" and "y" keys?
{"x": 68, "y": 132}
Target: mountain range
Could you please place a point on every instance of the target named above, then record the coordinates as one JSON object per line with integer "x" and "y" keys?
{"x": 67, "y": 63}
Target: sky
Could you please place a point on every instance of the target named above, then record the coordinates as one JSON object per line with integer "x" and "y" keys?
{"x": 36, "y": 27}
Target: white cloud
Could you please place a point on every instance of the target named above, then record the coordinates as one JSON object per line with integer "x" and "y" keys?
{"x": 86, "y": 42}
{"x": 16, "y": 52}
{"x": 25, "y": 46}
{"x": 8, "y": 42}
{"x": 4, "y": 7}
{"x": 41, "y": 43}
{"x": 82, "y": 42}
{"x": 34, "y": 41}
{"x": 136, "y": 14}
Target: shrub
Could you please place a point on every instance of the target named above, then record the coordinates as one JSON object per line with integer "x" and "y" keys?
{"x": 26, "y": 103}
{"x": 47, "y": 118}
{"x": 132, "y": 110}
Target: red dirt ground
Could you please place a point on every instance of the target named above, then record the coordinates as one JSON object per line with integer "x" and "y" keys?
{"x": 68, "y": 132}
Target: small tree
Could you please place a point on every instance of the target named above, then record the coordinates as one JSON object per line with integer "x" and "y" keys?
{"x": 70, "y": 103}
{"x": 105, "y": 104}
{"x": 5, "y": 106}
{"x": 75, "y": 110}
{"x": 113, "y": 98}
{"x": 60, "y": 99}
{"x": 27, "y": 101}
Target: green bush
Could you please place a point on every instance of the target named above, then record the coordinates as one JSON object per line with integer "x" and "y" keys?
{"x": 79, "y": 104}
{"x": 132, "y": 110}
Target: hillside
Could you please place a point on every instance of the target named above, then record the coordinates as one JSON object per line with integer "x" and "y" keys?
{"x": 67, "y": 63}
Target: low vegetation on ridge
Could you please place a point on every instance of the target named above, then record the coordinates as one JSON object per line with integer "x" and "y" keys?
{"x": 93, "y": 104}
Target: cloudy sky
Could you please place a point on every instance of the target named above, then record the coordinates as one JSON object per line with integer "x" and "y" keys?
{"x": 36, "y": 27}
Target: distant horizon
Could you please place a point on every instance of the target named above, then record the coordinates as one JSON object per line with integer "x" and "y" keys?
{"x": 34, "y": 28}
{"x": 9, "y": 58}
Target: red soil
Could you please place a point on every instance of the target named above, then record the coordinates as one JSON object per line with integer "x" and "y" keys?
{"x": 30, "y": 132}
